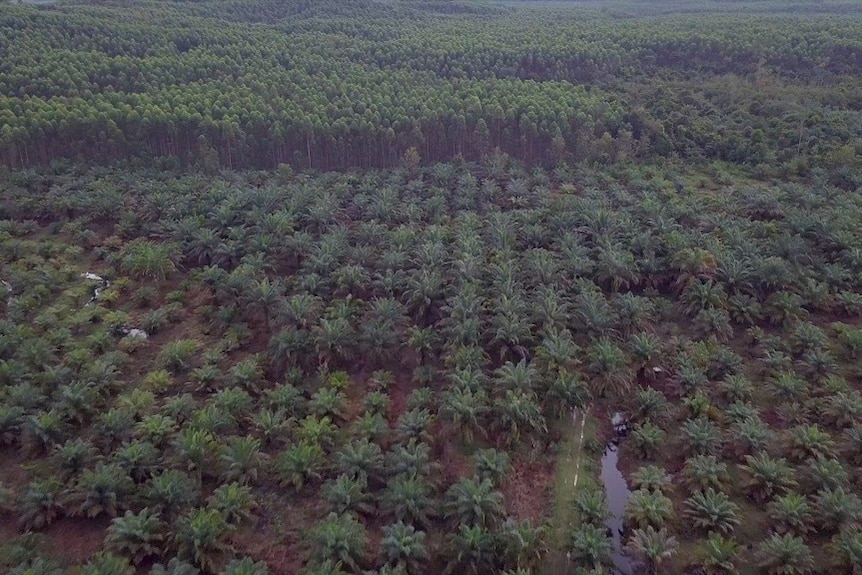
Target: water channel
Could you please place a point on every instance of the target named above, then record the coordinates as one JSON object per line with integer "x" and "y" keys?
{"x": 616, "y": 494}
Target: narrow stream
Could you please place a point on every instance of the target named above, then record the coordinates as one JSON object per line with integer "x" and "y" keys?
{"x": 617, "y": 495}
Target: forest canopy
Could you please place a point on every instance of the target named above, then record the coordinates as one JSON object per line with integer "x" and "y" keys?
{"x": 354, "y": 84}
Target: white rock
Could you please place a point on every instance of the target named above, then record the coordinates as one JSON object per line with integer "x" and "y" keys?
{"x": 136, "y": 333}
{"x": 98, "y": 291}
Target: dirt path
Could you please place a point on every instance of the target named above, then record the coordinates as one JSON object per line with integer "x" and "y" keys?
{"x": 571, "y": 466}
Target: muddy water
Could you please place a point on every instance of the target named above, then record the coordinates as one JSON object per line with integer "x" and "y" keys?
{"x": 617, "y": 494}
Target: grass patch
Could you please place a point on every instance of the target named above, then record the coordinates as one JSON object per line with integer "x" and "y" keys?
{"x": 576, "y": 469}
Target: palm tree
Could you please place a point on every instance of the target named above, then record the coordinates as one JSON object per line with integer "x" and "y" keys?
{"x": 836, "y": 507}
{"x": 842, "y": 409}
{"x": 785, "y": 555}
{"x": 266, "y": 297}
{"x": 651, "y": 404}
{"x": 609, "y": 368}
{"x": 339, "y": 538}
{"x": 464, "y": 408}
{"x": 703, "y": 295}
{"x": 201, "y": 537}
{"x": 558, "y": 350}
{"x": 647, "y": 438}
{"x": 156, "y": 429}
{"x": 471, "y": 501}
{"x": 649, "y": 508}
{"x": 328, "y": 402}
{"x": 705, "y": 471}
{"x": 138, "y": 535}
{"x": 735, "y": 387}
{"x": 692, "y": 265}
{"x": 521, "y": 376}
{"x": 334, "y": 339}
{"x": 565, "y": 391}
{"x": 11, "y": 417}
{"x": 271, "y": 424}
{"x": 717, "y": 555}
{"x": 360, "y": 458}
{"x": 77, "y": 401}
{"x": 653, "y": 546}
{"x": 194, "y": 448}
{"x": 473, "y": 550}
{"x": 424, "y": 289}
{"x": 697, "y": 405}
{"x": 246, "y": 566}
{"x": 749, "y": 437}
{"x": 71, "y": 458}
{"x": 41, "y": 431}
{"x": 316, "y": 430}
{"x": 102, "y": 490}
{"x": 651, "y": 478}
{"x": 829, "y": 473}
{"x": 701, "y": 436}
{"x": 150, "y": 260}
{"x": 246, "y": 374}
{"x": 348, "y": 494}
{"x": 39, "y": 505}
{"x": 414, "y": 458}
{"x": 176, "y": 355}
{"x": 551, "y": 310}
{"x": 646, "y": 348}
{"x": 636, "y": 313}
{"x": 519, "y": 410}
{"x": 235, "y": 502}
{"x": 107, "y": 563}
{"x": 300, "y": 464}
{"x": 288, "y": 398}
{"x": 403, "y": 546}
{"x": 791, "y": 513}
{"x": 171, "y": 491}
{"x": 286, "y": 347}
{"x": 139, "y": 459}
{"x": 413, "y": 425}
{"x": 408, "y": 497}
{"x": 712, "y": 510}
{"x": 818, "y": 364}
{"x": 788, "y": 386}
{"x": 512, "y": 328}
{"x": 491, "y": 464}
{"x": 591, "y": 506}
{"x": 423, "y": 340}
{"x": 371, "y": 426}
{"x": 846, "y": 548}
{"x": 522, "y": 544}
{"x": 590, "y": 547}
{"x": 713, "y": 322}
{"x": 809, "y": 441}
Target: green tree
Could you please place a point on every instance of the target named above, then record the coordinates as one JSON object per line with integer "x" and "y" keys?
{"x": 201, "y": 537}
{"x": 340, "y": 538}
{"x": 137, "y": 535}
{"x": 403, "y": 546}
{"x": 785, "y": 555}
{"x": 654, "y": 546}
{"x": 712, "y": 510}
{"x": 649, "y": 508}
{"x": 471, "y": 501}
